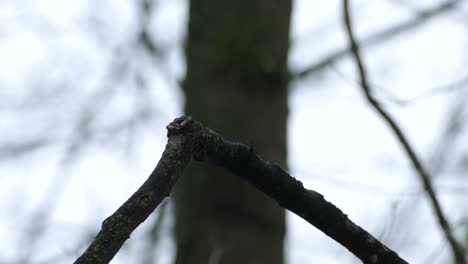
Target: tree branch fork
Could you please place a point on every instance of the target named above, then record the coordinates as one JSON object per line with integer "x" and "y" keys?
{"x": 187, "y": 139}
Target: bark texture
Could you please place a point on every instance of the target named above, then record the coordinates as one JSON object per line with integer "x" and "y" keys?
{"x": 236, "y": 83}
{"x": 189, "y": 138}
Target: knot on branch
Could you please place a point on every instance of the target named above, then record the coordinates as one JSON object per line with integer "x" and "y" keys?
{"x": 180, "y": 125}
{"x": 198, "y": 136}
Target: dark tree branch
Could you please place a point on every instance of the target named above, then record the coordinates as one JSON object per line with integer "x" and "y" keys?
{"x": 117, "y": 228}
{"x": 387, "y": 34}
{"x": 418, "y": 166}
{"x": 189, "y": 138}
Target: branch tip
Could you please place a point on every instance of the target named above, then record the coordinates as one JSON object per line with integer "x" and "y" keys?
{"x": 178, "y": 125}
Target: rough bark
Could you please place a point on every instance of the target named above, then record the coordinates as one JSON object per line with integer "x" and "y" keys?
{"x": 236, "y": 81}
{"x": 116, "y": 229}
{"x": 189, "y": 138}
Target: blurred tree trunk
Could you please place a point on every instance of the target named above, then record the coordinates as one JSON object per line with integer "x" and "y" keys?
{"x": 236, "y": 83}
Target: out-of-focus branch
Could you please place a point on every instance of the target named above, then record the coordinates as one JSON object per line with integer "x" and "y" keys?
{"x": 377, "y": 190}
{"x": 144, "y": 35}
{"x": 457, "y": 85}
{"x": 387, "y": 34}
{"x": 454, "y": 127}
{"x": 420, "y": 169}
{"x": 14, "y": 150}
{"x": 189, "y": 138}
{"x": 388, "y": 97}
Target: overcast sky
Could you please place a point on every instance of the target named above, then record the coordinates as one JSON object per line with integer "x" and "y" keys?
{"x": 54, "y": 60}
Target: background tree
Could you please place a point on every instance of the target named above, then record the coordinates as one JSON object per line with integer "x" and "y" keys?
{"x": 236, "y": 81}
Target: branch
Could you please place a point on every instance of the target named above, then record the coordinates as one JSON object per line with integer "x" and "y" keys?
{"x": 189, "y": 138}
{"x": 386, "y": 34}
{"x": 456, "y": 85}
{"x": 11, "y": 150}
{"x": 418, "y": 166}
{"x": 117, "y": 228}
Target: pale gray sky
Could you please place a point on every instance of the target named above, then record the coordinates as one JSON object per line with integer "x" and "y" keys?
{"x": 338, "y": 145}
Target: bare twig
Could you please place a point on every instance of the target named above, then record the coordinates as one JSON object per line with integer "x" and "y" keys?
{"x": 388, "y": 96}
{"x": 377, "y": 190}
{"x": 457, "y": 85}
{"x": 386, "y": 34}
{"x": 418, "y": 166}
{"x": 11, "y": 150}
{"x": 188, "y": 138}
{"x": 454, "y": 127}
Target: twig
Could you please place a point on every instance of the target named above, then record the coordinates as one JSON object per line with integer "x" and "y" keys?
{"x": 418, "y": 166}
{"x": 11, "y": 150}
{"x": 387, "y": 34}
{"x": 377, "y": 190}
{"x": 189, "y": 138}
{"x": 390, "y": 97}
{"x": 457, "y": 85}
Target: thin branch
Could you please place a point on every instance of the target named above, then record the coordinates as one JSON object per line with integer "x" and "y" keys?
{"x": 438, "y": 160}
{"x": 11, "y": 150}
{"x": 454, "y": 127}
{"x": 377, "y": 190}
{"x": 457, "y": 85}
{"x": 388, "y": 96}
{"x": 418, "y": 166}
{"x": 387, "y": 34}
{"x": 189, "y": 138}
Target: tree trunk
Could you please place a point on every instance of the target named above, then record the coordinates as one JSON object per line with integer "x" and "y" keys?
{"x": 236, "y": 83}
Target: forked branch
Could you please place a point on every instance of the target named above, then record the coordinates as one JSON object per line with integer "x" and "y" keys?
{"x": 188, "y": 138}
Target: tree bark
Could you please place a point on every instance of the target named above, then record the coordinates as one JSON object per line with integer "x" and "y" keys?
{"x": 237, "y": 83}
{"x": 188, "y": 138}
